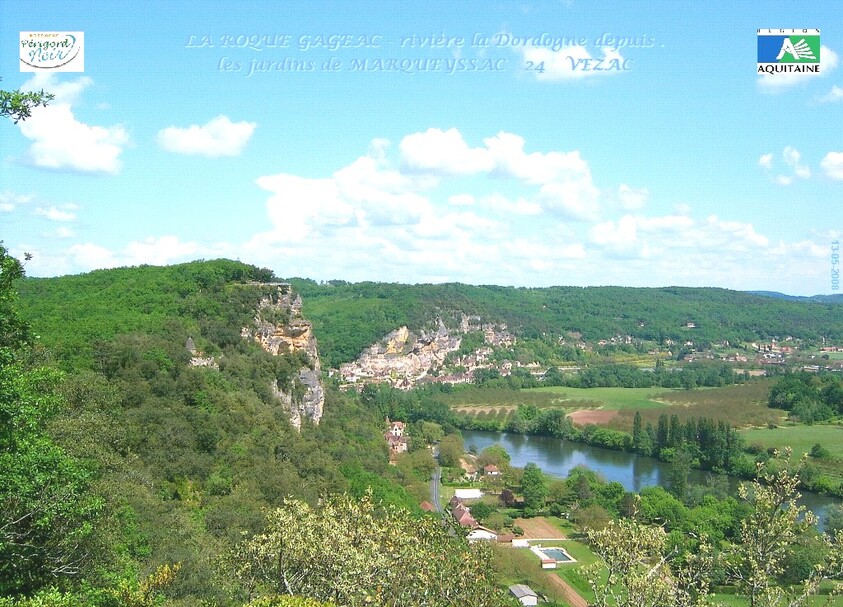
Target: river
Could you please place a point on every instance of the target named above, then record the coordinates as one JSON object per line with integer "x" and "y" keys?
{"x": 557, "y": 457}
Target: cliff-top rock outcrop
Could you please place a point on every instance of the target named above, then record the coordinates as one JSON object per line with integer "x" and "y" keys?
{"x": 281, "y": 329}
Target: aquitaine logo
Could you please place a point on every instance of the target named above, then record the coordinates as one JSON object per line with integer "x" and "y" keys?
{"x": 783, "y": 51}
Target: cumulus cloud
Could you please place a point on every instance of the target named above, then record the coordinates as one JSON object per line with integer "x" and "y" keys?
{"x": 9, "y": 200}
{"x": 781, "y": 81}
{"x": 632, "y": 199}
{"x": 55, "y": 214}
{"x": 62, "y": 142}
{"x": 832, "y": 164}
{"x": 217, "y": 137}
{"x": 566, "y": 186}
{"x": 793, "y": 159}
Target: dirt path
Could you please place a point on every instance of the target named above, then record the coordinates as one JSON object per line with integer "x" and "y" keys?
{"x": 572, "y": 596}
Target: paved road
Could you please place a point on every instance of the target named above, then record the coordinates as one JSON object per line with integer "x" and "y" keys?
{"x": 434, "y": 489}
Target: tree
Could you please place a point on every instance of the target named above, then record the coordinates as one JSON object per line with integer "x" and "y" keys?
{"x": 18, "y": 105}
{"x": 534, "y": 487}
{"x": 768, "y": 536}
{"x": 45, "y": 510}
{"x": 451, "y": 451}
{"x": 637, "y": 559}
{"x": 353, "y": 552}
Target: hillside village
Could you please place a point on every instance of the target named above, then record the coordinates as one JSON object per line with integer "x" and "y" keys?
{"x": 404, "y": 359}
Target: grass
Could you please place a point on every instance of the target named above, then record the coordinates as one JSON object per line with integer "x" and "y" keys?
{"x": 741, "y": 406}
{"x": 799, "y": 437}
{"x": 615, "y": 399}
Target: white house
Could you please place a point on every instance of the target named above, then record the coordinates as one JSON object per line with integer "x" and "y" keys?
{"x": 481, "y": 534}
{"x": 524, "y": 594}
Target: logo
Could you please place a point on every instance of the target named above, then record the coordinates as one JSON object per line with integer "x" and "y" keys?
{"x": 788, "y": 51}
{"x": 55, "y": 51}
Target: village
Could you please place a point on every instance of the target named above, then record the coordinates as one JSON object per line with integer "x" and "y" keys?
{"x": 405, "y": 360}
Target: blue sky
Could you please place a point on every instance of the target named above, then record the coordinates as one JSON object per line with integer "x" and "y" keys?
{"x": 677, "y": 165}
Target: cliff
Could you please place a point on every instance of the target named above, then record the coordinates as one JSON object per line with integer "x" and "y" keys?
{"x": 280, "y": 328}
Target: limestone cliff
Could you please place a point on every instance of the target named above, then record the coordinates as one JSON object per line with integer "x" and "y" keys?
{"x": 280, "y": 329}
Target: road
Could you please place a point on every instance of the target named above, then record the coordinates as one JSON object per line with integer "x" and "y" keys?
{"x": 434, "y": 490}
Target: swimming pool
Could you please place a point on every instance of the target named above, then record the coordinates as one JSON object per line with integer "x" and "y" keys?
{"x": 558, "y": 555}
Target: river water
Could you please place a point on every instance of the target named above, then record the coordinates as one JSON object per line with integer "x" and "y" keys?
{"x": 557, "y": 457}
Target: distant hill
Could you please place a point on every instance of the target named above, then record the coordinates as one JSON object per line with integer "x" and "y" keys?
{"x": 833, "y": 299}
{"x": 347, "y": 317}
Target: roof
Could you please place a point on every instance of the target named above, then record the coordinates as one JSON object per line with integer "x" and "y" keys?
{"x": 427, "y": 506}
{"x": 522, "y": 590}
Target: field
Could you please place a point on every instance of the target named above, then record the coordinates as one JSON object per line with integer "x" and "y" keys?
{"x": 557, "y": 396}
{"x": 799, "y": 437}
{"x": 539, "y": 528}
{"x": 615, "y": 399}
{"x": 742, "y": 406}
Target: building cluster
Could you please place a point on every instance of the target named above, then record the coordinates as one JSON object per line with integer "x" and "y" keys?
{"x": 403, "y": 359}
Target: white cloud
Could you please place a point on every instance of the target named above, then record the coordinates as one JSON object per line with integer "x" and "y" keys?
{"x": 566, "y": 187}
{"x": 832, "y": 164}
{"x": 793, "y": 159}
{"x": 573, "y": 62}
{"x": 632, "y": 199}
{"x": 461, "y": 200}
{"x": 55, "y": 214}
{"x": 90, "y": 256}
{"x": 9, "y": 200}
{"x": 444, "y": 152}
{"x": 835, "y": 94}
{"x": 217, "y": 137}
{"x": 780, "y": 81}
{"x": 60, "y": 141}
{"x": 64, "y": 232}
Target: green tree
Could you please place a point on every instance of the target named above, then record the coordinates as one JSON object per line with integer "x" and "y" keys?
{"x": 45, "y": 510}
{"x": 534, "y": 488}
{"x": 451, "y": 450}
{"x": 18, "y": 105}
{"x": 637, "y": 560}
{"x": 352, "y": 552}
{"x": 770, "y": 533}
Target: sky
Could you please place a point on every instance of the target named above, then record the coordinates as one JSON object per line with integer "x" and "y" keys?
{"x": 528, "y": 143}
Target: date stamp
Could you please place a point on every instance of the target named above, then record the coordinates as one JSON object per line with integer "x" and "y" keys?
{"x": 835, "y": 265}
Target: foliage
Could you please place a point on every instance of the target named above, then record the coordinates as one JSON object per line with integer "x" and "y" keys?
{"x": 46, "y": 511}
{"x": 534, "y": 488}
{"x": 809, "y": 397}
{"x": 18, "y": 105}
{"x": 349, "y": 317}
{"x": 768, "y": 536}
{"x": 353, "y": 552}
{"x": 638, "y": 568}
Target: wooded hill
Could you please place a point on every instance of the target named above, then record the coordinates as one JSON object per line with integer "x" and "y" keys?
{"x": 348, "y": 317}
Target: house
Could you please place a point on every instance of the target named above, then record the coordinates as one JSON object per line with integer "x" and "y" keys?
{"x": 463, "y": 516}
{"x": 524, "y": 594}
{"x": 427, "y": 506}
{"x": 468, "y": 494}
{"x": 491, "y": 470}
{"x": 395, "y": 428}
{"x": 480, "y": 533}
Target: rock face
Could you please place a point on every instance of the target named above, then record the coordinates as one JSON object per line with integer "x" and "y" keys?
{"x": 281, "y": 329}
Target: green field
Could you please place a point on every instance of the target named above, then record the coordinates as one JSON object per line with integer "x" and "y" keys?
{"x": 607, "y": 398}
{"x": 799, "y": 437}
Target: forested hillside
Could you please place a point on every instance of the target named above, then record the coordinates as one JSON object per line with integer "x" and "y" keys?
{"x": 129, "y": 458}
{"x": 348, "y": 317}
